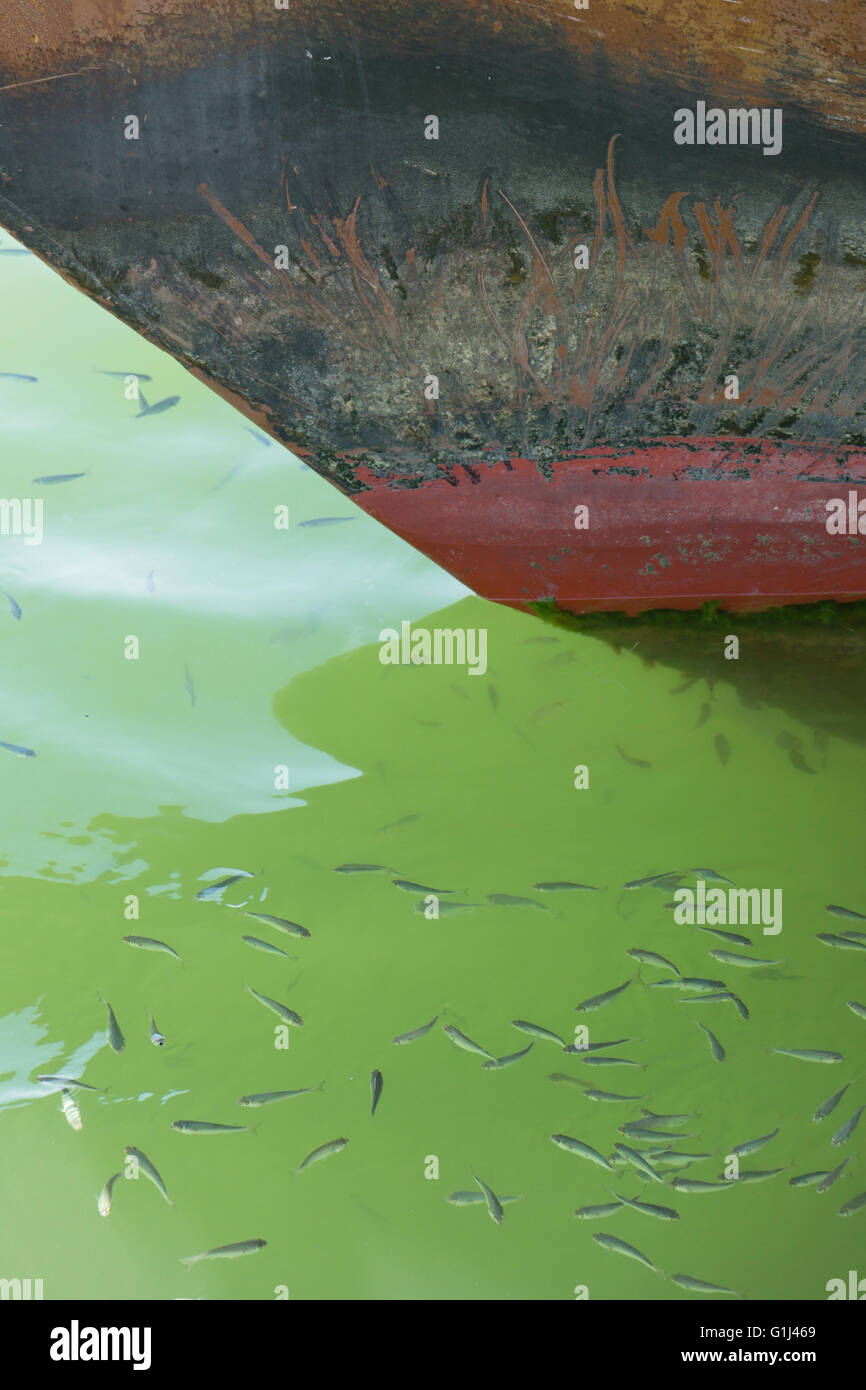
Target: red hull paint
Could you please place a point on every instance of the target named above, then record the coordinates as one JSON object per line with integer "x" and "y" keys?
{"x": 673, "y": 523}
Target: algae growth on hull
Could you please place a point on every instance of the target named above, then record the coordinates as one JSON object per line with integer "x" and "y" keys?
{"x": 444, "y": 780}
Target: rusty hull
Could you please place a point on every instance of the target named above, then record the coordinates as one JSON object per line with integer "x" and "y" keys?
{"x": 408, "y": 258}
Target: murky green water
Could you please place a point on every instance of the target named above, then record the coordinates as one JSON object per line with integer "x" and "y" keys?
{"x": 258, "y": 650}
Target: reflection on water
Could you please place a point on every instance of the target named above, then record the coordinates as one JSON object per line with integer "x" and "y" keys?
{"x": 141, "y": 794}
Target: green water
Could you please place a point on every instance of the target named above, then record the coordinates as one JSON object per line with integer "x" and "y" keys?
{"x": 258, "y": 650}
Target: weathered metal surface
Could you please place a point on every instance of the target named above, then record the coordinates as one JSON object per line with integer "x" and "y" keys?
{"x": 409, "y": 258}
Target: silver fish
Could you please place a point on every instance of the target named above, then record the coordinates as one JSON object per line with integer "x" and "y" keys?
{"x": 266, "y": 946}
{"x": 693, "y": 1185}
{"x": 578, "y": 1050}
{"x": 165, "y": 404}
{"x": 493, "y": 1204}
{"x": 751, "y": 1146}
{"x": 226, "y": 1252}
{"x": 598, "y": 1000}
{"x": 711, "y": 876}
{"x": 415, "y": 1033}
{"x": 845, "y": 912}
{"x": 214, "y": 890}
{"x": 507, "y": 900}
{"x": 715, "y": 1046}
{"x": 687, "y": 1281}
{"x": 281, "y": 1010}
{"x": 652, "y": 958}
{"x": 755, "y": 1175}
{"x": 732, "y": 936}
{"x": 805, "y": 1054}
{"x": 499, "y": 1062}
{"x": 576, "y": 1146}
{"x": 842, "y": 943}
{"x": 831, "y": 1177}
{"x": 609, "y": 1096}
{"x": 147, "y": 943}
{"x": 807, "y": 1179}
{"x": 592, "y": 1213}
{"x": 376, "y": 1085}
{"x": 858, "y": 1009}
{"x": 103, "y": 1201}
{"x": 323, "y": 1151}
{"x": 70, "y": 1110}
{"x": 115, "y": 1037}
{"x": 149, "y": 1171}
{"x": 461, "y": 1040}
{"x": 638, "y": 1161}
{"x": 290, "y": 928}
{"x": 409, "y": 887}
{"x": 474, "y": 1199}
{"x": 844, "y": 1134}
{"x": 140, "y": 376}
{"x": 205, "y": 1127}
{"x": 732, "y": 958}
{"x": 855, "y": 1204}
{"x": 268, "y": 1097}
{"x": 620, "y": 1247}
{"x": 650, "y": 1208}
{"x": 536, "y": 1031}
{"x": 829, "y": 1106}
{"x": 14, "y": 608}
{"x": 156, "y": 1037}
{"x": 564, "y": 887}
{"x": 365, "y": 869}
{"x": 611, "y": 1062}
{"x": 326, "y": 520}
{"x": 51, "y": 478}
{"x": 653, "y": 878}
{"x": 69, "y": 1083}
{"x": 18, "y": 749}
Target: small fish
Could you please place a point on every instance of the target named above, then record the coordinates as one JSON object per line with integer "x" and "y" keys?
{"x": 700, "y": 986}
{"x": 610, "y": 1062}
{"x": 831, "y": 1177}
{"x": 650, "y": 1208}
{"x": 723, "y": 749}
{"x": 687, "y": 1281}
{"x": 740, "y": 1006}
{"x": 156, "y": 1037}
{"x": 576, "y": 1146}
{"x": 69, "y": 1083}
{"x": 18, "y": 749}
{"x": 651, "y": 958}
{"x": 364, "y": 869}
{"x": 638, "y": 1161}
{"x": 205, "y": 1127}
{"x": 641, "y": 1129}
{"x": 147, "y": 943}
{"x": 592, "y": 1213}
{"x": 687, "y": 684}
{"x": 845, "y": 912}
{"x": 635, "y": 762}
{"x": 323, "y": 1151}
{"x": 51, "y": 478}
{"x": 596, "y": 1047}
{"x": 115, "y": 1037}
{"x": 620, "y": 1247}
{"x": 260, "y": 438}
{"x": 711, "y": 876}
{"x": 732, "y": 936}
{"x": 404, "y": 820}
{"x": 493, "y": 1203}
{"x": 807, "y": 1055}
{"x": 751, "y": 1146}
{"x": 829, "y": 1105}
{"x": 281, "y": 1010}
{"x": 858, "y": 1009}
{"x": 14, "y": 608}
{"x": 268, "y": 1097}
{"x": 854, "y": 935}
{"x": 225, "y": 1252}
{"x": 461, "y": 1040}
{"x": 139, "y": 376}
{"x": 665, "y": 984}
{"x": 507, "y": 900}
{"x": 842, "y": 943}
{"x": 651, "y": 879}
{"x": 807, "y": 1179}
{"x": 149, "y": 1171}
{"x": 266, "y": 946}
{"x": 715, "y": 1046}
{"x": 844, "y": 1134}
{"x": 213, "y": 890}
{"x": 796, "y": 759}
{"x": 722, "y": 997}
{"x": 165, "y": 404}
{"x": 189, "y": 685}
{"x": 692, "y": 1185}
{"x": 445, "y": 909}
{"x": 415, "y": 1033}
{"x": 704, "y": 715}
{"x": 665, "y": 1119}
{"x": 598, "y": 1000}
{"x": 326, "y": 520}
{"x": 16, "y": 376}
{"x": 409, "y": 887}
{"x": 732, "y": 958}
{"x": 474, "y": 1199}
{"x": 565, "y": 887}
{"x": 103, "y": 1201}
{"x": 70, "y": 1110}
{"x": 756, "y": 1175}
{"x": 855, "y": 1204}
{"x": 376, "y": 1084}
{"x": 609, "y": 1096}
{"x": 536, "y": 1031}
{"x": 281, "y": 923}
{"x": 498, "y": 1062}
